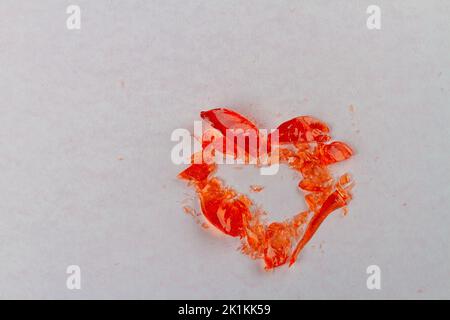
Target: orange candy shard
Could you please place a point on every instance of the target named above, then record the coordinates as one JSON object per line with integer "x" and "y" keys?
{"x": 223, "y": 119}
{"x": 303, "y": 129}
{"x": 234, "y": 214}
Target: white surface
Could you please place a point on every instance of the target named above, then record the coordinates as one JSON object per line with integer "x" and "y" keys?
{"x": 74, "y": 102}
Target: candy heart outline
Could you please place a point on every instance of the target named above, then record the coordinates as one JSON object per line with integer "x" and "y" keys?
{"x": 234, "y": 214}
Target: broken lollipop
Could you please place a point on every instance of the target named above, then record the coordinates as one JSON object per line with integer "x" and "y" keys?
{"x": 303, "y": 143}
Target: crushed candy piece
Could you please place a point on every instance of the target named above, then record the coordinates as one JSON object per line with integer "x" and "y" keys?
{"x": 256, "y": 188}
{"x": 304, "y": 146}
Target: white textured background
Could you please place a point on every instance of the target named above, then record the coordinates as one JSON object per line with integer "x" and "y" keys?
{"x": 85, "y": 124}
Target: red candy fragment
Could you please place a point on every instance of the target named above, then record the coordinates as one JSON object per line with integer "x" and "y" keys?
{"x": 303, "y": 129}
{"x": 197, "y": 172}
{"x": 223, "y": 119}
{"x": 240, "y": 130}
{"x": 235, "y": 215}
{"x": 334, "y": 152}
{"x": 336, "y": 200}
{"x": 223, "y": 208}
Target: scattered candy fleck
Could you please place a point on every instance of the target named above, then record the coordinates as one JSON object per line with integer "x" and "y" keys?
{"x": 256, "y": 188}
{"x": 304, "y": 145}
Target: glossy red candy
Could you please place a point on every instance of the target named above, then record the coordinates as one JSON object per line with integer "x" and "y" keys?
{"x": 236, "y": 130}
{"x": 335, "y": 152}
{"x": 223, "y": 119}
{"x": 303, "y": 129}
{"x": 235, "y": 215}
